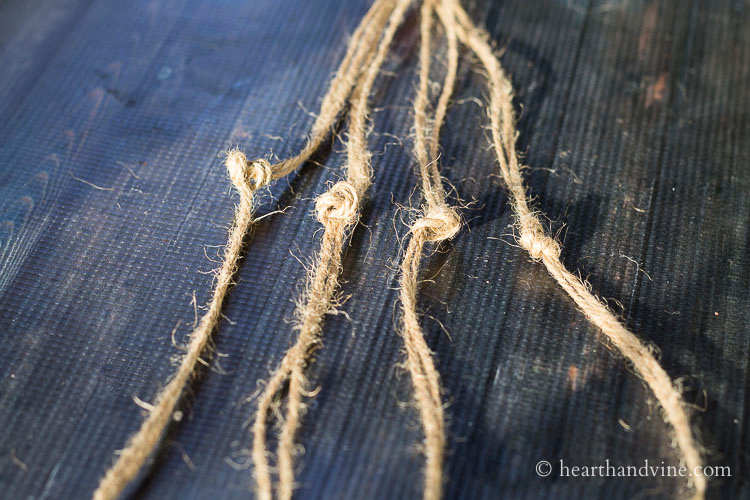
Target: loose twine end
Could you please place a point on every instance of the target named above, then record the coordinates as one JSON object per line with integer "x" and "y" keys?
{"x": 248, "y": 175}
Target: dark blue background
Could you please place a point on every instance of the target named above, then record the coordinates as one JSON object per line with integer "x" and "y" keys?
{"x": 634, "y": 125}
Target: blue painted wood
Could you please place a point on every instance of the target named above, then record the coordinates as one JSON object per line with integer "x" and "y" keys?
{"x": 113, "y": 201}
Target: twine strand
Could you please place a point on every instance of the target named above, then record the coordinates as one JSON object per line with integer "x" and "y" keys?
{"x": 338, "y": 211}
{"x": 545, "y": 249}
{"x": 246, "y": 178}
{"x": 438, "y": 223}
{"x": 361, "y": 46}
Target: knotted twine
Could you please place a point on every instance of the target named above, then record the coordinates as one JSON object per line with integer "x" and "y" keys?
{"x": 439, "y": 222}
{"x": 338, "y": 211}
{"x": 247, "y": 177}
{"x": 543, "y": 248}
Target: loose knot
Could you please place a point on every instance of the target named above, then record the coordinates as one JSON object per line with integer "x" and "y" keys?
{"x": 439, "y": 224}
{"x": 338, "y": 204}
{"x": 260, "y": 173}
{"x": 539, "y": 245}
{"x": 248, "y": 175}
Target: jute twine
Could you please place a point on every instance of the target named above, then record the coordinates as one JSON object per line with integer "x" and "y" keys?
{"x": 439, "y": 222}
{"x": 246, "y": 178}
{"x": 544, "y": 249}
{"x": 338, "y": 211}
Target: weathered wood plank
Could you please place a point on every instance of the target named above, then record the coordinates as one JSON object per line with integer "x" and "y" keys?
{"x": 114, "y": 116}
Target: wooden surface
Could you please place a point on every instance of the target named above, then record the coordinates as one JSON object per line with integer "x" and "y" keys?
{"x": 113, "y": 201}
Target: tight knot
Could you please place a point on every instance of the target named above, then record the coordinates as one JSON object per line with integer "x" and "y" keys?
{"x": 539, "y": 245}
{"x": 338, "y": 204}
{"x": 248, "y": 175}
{"x": 439, "y": 224}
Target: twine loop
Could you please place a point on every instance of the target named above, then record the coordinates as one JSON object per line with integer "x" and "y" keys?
{"x": 338, "y": 204}
{"x": 248, "y": 175}
{"x": 438, "y": 224}
{"x": 260, "y": 173}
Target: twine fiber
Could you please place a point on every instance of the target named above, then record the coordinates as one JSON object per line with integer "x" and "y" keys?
{"x": 439, "y": 222}
{"x": 543, "y": 248}
{"x": 338, "y": 211}
{"x": 247, "y": 178}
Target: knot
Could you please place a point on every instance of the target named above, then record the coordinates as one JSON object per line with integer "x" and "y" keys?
{"x": 338, "y": 204}
{"x": 260, "y": 173}
{"x": 441, "y": 223}
{"x": 248, "y": 175}
{"x": 539, "y": 245}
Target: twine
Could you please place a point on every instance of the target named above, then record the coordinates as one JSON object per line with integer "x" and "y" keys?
{"x": 338, "y": 211}
{"x": 246, "y": 178}
{"x": 545, "y": 249}
{"x": 438, "y": 223}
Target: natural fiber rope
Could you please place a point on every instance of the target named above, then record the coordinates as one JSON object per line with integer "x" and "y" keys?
{"x": 338, "y": 211}
{"x": 361, "y": 47}
{"x": 247, "y": 178}
{"x": 542, "y": 247}
{"x": 438, "y": 223}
